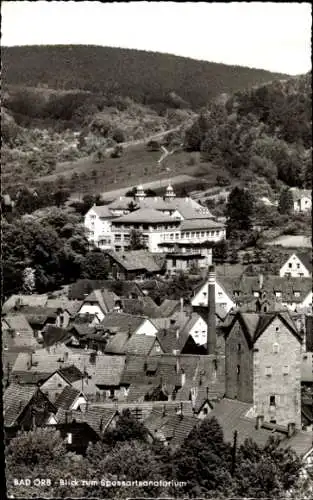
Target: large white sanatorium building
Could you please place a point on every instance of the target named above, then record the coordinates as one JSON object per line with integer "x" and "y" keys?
{"x": 160, "y": 220}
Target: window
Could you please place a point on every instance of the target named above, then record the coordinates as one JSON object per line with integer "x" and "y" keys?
{"x": 118, "y": 237}
{"x": 298, "y": 266}
{"x": 278, "y": 294}
{"x": 272, "y": 421}
{"x": 238, "y": 371}
{"x": 268, "y": 371}
{"x": 256, "y": 294}
{"x": 290, "y": 264}
{"x": 275, "y": 348}
{"x": 202, "y": 234}
{"x": 205, "y": 411}
{"x": 286, "y": 370}
{"x": 272, "y": 401}
{"x": 69, "y": 438}
{"x": 239, "y": 347}
{"x": 297, "y": 294}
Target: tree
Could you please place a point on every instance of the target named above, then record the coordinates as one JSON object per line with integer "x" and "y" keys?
{"x": 61, "y": 196}
{"x": 203, "y": 461}
{"x": 239, "y": 213}
{"x": 127, "y": 428}
{"x": 220, "y": 251}
{"x": 95, "y": 266}
{"x": 136, "y": 240}
{"x": 285, "y": 204}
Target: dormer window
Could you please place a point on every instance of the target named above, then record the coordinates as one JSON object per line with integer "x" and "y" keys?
{"x": 296, "y": 294}
{"x": 268, "y": 371}
{"x": 275, "y": 348}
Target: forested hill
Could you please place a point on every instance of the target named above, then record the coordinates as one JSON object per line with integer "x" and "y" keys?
{"x": 146, "y": 77}
{"x": 265, "y": 131}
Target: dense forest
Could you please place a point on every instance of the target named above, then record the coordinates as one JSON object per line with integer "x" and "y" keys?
{"x": 147, "y": 77}
{"x": 263, "y": 132}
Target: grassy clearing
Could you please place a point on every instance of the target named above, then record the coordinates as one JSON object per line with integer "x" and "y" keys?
{"x": 137, "y": 165}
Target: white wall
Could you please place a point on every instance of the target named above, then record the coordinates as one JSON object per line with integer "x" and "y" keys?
{"x": 221, "y": 297}
{"x": 99, "y": 228}
{"x": 199, "y": 331}
{"x": 81, "y": 400}
{"x": 147, "y": 328}
{"x": 303, "y": 204}
{"x": 92, "y": 309}
{"x": 294, "y": 267}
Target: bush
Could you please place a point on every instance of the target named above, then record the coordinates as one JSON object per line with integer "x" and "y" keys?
{"x": 118, "y": 135}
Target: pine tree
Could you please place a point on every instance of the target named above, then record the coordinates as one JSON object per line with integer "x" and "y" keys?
{"x": 285, "y": 204}
{"x": 239, "y": 213}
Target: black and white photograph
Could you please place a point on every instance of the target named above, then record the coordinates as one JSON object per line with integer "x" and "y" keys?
{"x": 156, "y": 237}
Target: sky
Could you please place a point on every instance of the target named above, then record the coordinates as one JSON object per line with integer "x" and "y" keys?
{"x": 271, "y": 36}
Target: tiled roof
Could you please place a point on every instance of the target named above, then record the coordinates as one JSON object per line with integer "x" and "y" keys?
{"x": 144, "y": 306}
{"x": 71, "y": 373}
{"x": 24, "y": 300}
{"x": 22, "y": 332}
{"x": 98, "y": 418}
{"x": 72, "y": 306}
{"x": 52, "y": 334}
{"x": 247, "y": 285}
{"x": 231, "y": 415}
{"x": 145, "y": 216}
{"x": 139, "y": 344}
{"x": 187, "y": 207}
{"x": 168, "y": 307}
{"x": 102, "y": 369}
{"x": 38, "y": 316}
{"x": 297, "y": 194}
{"x": 138, "y": 260}
{"x": 105, "y": 298}
{"x": 198, "y": 224}
{"x": 306, "y": 259}
{"x": 15, "y": 399}
{"x": 67, "y": 397}
{"x": 256, "y": 323}
{"x": 82, "y": 288}
{"x": 102, "y": 211}
{"x": 116, "y": 343}
{"x": 122, "y": 322}
{"x": 309, "y": 332}
{"x": 173, "y": 427}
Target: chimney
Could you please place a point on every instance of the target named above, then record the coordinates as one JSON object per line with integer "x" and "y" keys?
{"x": 177, "y": 367}
{"x": 211, "y": 322}
{"x": 261, "y": 281}
{"x": 291, "y": 429}
{"x": 259, "y": 421}
{"x": 181, "y": 415}
{"x": 183, "y": 377}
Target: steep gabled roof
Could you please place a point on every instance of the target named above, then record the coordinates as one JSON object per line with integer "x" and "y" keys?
{"x": 122, "y": 322}
{"x": 15, "y": 399}
{"x": 53, "y": 335}
{"x": 140, "y": 344}
{"x": 82, "y": 288}
{"x": 96, "y": 417}
{"x": 146, "y": 216}
{"x": 306, "y": 259}
{"x": 138, "y": 260}
{"x": 254, "y": 324}
{"x": 105, "y": 298}
{"x": 67, "y": 397}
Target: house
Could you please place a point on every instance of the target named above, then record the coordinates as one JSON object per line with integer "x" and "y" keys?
{"x": 127, "y": 323}
{"x": 98, "y": 221}
{"x": 307, "y": 352}
{"x": 54, "y": 385}
{"x": 184, "y": 256}
{"x": 82, "y": 288}
{"x": 17, "y": 332}
{"x": 100, "y": 374}
{"x": 24, "y": 407}
{"x": 256, "y": 293}
{"x": 81, "y": 427}
{"x": 302, "y": 200}
{"x": 135, "y": 264}
{"x": 15, "y": 302}
{"x": 263, "y": 364}
{"x": 297, "y": 265}
{"x": 169, "y": 377}
{"x": 234, "y": 415}
{"x": 99, "y": 303}
{"x": 171, "y": 429}
{"x": 71, "y": 399}
{"x": 159, "y": 219}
